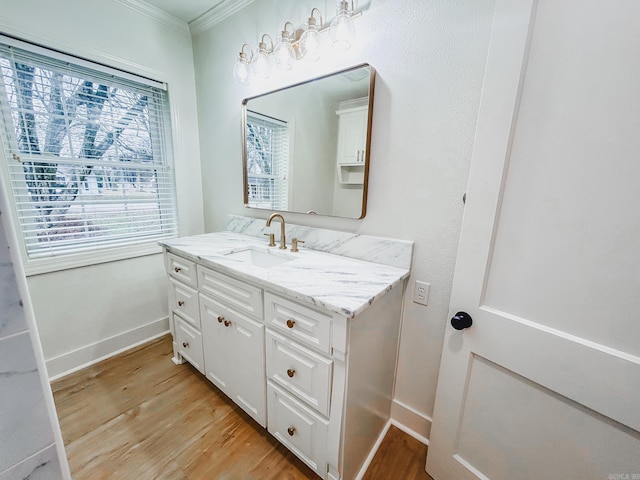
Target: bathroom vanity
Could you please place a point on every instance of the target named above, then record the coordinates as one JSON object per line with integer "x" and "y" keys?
{"x": 304, "y": 342}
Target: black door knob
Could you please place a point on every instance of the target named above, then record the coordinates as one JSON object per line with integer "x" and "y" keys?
{"x": 461, "y": 320}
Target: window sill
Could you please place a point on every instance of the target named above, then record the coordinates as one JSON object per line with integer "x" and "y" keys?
{"x": 85, "y": 259}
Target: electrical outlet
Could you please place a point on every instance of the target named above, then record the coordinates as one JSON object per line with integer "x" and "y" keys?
{"x": 421, "y": 292}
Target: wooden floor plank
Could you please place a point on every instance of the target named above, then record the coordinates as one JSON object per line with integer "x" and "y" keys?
{"x": 139, "y": 416}
{"x": 398, "y": 453}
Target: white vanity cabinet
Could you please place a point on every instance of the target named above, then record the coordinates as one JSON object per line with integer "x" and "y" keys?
{"x": 320, "y": 381}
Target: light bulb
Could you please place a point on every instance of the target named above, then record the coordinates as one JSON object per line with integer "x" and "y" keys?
{"x": 261, "y": 65}
{"x": 342, "y": 30}
{"x": 310, "y": 42}
{"x": 284, "y": 54}
{"x": 241, "y": 70}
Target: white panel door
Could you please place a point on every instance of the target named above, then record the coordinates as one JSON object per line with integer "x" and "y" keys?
{"x": 545, "y": 384}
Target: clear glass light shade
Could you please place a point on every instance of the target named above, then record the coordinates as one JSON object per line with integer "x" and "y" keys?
{"x": 284, "y": 55}
{"x": 342, "y": 31}
{"x": 310, "y": 44}
{"x": 241, "y": 71}
{"x": 261, "y": 65}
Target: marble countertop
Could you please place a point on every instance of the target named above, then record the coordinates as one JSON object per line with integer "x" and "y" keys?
{"x": 341, "y": 284}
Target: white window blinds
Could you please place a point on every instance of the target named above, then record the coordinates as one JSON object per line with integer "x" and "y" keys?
{"x": 267, "y": 162}
{"x": 87, "y": 154}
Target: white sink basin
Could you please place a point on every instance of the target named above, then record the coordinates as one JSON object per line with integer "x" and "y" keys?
{"x": 260, "y": 258}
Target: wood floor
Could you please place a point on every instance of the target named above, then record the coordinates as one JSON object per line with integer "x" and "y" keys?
{"x": 139, "y": 416}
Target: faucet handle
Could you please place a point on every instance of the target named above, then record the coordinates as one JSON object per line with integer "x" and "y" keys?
{"x": 272, "y": 239}
{"x": 294, "y": 244}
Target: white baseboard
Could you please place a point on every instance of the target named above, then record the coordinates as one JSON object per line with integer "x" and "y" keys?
{"x": 406, "y": 419}
{"x": 82, "y": 357}
{"x": 373, "y": 452}
{"x": 411, "y": 421}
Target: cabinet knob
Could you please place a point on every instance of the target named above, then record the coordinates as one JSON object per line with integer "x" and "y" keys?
{"x": 291, "y": 323}
{"x": 185, "y": 344}
{"x": 177, "y": 269}
{"x": 291, "y": 431}
{"x": 180, "y": 303}
{"x": 220, "y": 319}
{"x": 227, "y": 323}
{"x": 291, "y": 372}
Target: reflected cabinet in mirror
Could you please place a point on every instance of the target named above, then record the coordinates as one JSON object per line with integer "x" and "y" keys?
{"x": 306, "y": 147}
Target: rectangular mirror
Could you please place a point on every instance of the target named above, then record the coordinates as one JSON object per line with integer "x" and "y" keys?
{"x": 306, "y": 147}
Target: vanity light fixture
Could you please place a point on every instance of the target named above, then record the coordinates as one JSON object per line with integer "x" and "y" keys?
{"x": 283, "y": 53}
{"x": 262, "y": 64}
{"x": 310, "y": 40}
{"x": 242, "y": 69}
{"x": 342, "y": 30}
{"x": 288, "y": 49}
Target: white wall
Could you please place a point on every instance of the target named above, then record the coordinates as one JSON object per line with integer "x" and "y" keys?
{"x": 430, "y": 57}
{"x": 88, "y": 312}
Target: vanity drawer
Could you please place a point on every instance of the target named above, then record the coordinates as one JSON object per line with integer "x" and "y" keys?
{"x": 184, "y": 300}
{"x": 189, "y": 342}
{"x": 308, "y": 326}
{"x": 300, "y": 371}
{"x": 240, "y": 296}
{"x": 182, "y": 269}
{"x": 297, "y": 427}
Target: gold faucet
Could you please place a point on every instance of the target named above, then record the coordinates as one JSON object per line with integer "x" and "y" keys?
{"x": 283, "y": 239}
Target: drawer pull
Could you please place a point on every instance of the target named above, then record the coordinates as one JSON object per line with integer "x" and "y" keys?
{"x": 291, "y": 431}
{"x": 291, "y": 323}
{"x": 227, "y": 323}
{"x": 220, "y": 319}
{"x": 180, "y": 303}
{"x": 177, "y": 269}
{"x": 291, "y": 372}
{"x": 185, "y": 344}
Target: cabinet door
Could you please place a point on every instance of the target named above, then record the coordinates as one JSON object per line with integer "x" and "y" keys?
{"x": 234, "y": 356}
{"x": 215, "y": 343}
{"x": 246, "y": 364}
{"x": 352, "y": 137}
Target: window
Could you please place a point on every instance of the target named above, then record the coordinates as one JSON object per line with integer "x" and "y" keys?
{"x": 86, "y": 153}
{"x": 267, "y": 161}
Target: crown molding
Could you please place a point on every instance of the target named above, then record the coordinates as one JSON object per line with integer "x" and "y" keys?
{"x": 224, "y": 9}
{"x": 157, "y": 14}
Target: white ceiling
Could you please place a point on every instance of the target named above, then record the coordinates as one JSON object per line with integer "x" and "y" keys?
{"x": 187, "y": 10}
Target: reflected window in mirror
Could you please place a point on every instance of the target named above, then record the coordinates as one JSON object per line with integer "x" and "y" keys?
{"x": 267, "y": 161}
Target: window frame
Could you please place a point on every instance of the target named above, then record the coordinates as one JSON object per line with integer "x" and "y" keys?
{"x": 282, "y": 169}
{"x": 102, "y": 254}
